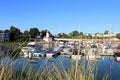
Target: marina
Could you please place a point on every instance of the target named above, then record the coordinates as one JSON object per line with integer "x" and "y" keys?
{"x": 91, "y": 57}
{"x": 60, "y": 40}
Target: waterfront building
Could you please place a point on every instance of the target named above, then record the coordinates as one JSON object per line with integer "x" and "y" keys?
{"x": 47, "y": 38}
{"x": 4, "y": 35}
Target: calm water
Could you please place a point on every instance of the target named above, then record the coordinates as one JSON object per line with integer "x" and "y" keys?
{"x": 104, "y": 66}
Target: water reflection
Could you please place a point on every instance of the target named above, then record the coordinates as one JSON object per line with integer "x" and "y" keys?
{"x": 105, "y": 66}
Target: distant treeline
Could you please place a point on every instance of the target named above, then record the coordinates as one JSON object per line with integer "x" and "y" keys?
{"x": 17, "y": 35}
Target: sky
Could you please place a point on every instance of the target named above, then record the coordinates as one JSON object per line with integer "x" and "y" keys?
{"x": 88, "y": 16}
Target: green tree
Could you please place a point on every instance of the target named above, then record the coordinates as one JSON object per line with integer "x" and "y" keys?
{"x": 89, "y": 36}
{"x": 14, "y": 33}
{"x": 26, "y": 35}
{"x": 34, "y": 32}
{"x": 81, "y": 35}
{"x": 106, "y": 32}
{"x": 74, "y": 33}
{"x": 43, "y": 33}
{"x": 60, "y": 35}
{"x": 65, "y": 35}
{"x": 118, "y": 35}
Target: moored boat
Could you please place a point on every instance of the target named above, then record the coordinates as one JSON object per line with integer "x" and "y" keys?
{"x": 38, "y": 53}
{"x": 117, "y": 53}
{"x": 28, "y": 50}
{"x": 50, "y": 52}
{"x": 76, "y": 57}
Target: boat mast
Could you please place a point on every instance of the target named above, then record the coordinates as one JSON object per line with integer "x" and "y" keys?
{"x": 79, "y": 37}
{"x": 103, "y": 38}
{"x": 110, "y": 34}
{"x": 76, "y": 67}
{"x": 92, "y": 37}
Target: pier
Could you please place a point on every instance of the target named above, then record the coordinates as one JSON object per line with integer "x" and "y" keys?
{"x": 63, "y": 39}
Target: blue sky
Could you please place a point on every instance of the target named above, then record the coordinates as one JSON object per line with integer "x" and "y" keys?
{"x": 61, "y": 15}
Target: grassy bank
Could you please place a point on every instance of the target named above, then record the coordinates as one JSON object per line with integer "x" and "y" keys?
{"x": 50, "y": 70}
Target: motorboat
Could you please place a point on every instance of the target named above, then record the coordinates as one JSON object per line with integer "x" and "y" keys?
{"x": 58, "y": 49}
{"x": 61, "y": 44}
{"x": 66, "y": 50}
{"x": 39, "y": 53}
{"x": 50, "y": 52}
{"x": 76, "y": 57}
{"x": 28, "y": 50}
{"x": 92, "y": 53}
{"x": 71, "y": 44}
{"x": 76, "y": 54}
{"x": 117, "y": 53}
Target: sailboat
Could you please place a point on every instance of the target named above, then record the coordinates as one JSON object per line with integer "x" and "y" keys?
{"x": 109, "y": 50}
{"x": 77, "y": 55}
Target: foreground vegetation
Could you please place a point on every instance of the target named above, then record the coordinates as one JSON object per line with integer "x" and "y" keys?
{"x": 59, "y": 68}
{"x": 49, "y": 69}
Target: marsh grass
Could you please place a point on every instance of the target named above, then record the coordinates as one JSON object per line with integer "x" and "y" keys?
{"x": 50, "y": 69}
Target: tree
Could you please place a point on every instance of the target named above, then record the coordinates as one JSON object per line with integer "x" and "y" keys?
{"x": 81, "y": 35}
{"x": 106, "y": 32}
{"x": 118, "y": 35}
{"x": 89, "y": 36}
{"x": 14, "y": 33}
{"x": 43, "y": 33}
{"x": 60, "y": 35}
{"x": 34, "y": 32}
{"x": 99, "y": 33}
{"x": 74, "y": 33}
{"x": 26, "y": 35}
{"x": 65, "y": 35}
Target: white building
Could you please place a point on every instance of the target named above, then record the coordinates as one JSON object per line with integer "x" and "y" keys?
{"x": 47, "y": 38}
{"x": 110, "y": 34}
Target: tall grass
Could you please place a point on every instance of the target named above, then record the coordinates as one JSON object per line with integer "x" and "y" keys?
{"x": 49, "y": 69}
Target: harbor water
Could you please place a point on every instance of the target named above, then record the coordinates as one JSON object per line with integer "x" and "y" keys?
{"x": 104, "y": 68}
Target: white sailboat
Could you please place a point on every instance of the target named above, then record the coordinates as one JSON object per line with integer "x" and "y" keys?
{"x": 78, "y": 56}
{"x": 109, "y": 50}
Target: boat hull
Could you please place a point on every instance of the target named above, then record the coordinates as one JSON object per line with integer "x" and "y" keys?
{"x": 76, "y": 57}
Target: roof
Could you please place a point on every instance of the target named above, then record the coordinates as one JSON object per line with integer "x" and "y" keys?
{"x": 115, "y": 39}
{"x": 32, "y": 43}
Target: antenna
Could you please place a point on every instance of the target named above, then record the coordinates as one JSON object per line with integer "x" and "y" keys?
{"x": 110, "y": 32}
{"x": 110, "y": 29}
{"x": 79, "y": 30}
{"x": 79, "y": 37}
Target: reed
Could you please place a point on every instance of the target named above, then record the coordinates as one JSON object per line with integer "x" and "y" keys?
{"x": 49, "y": 69}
